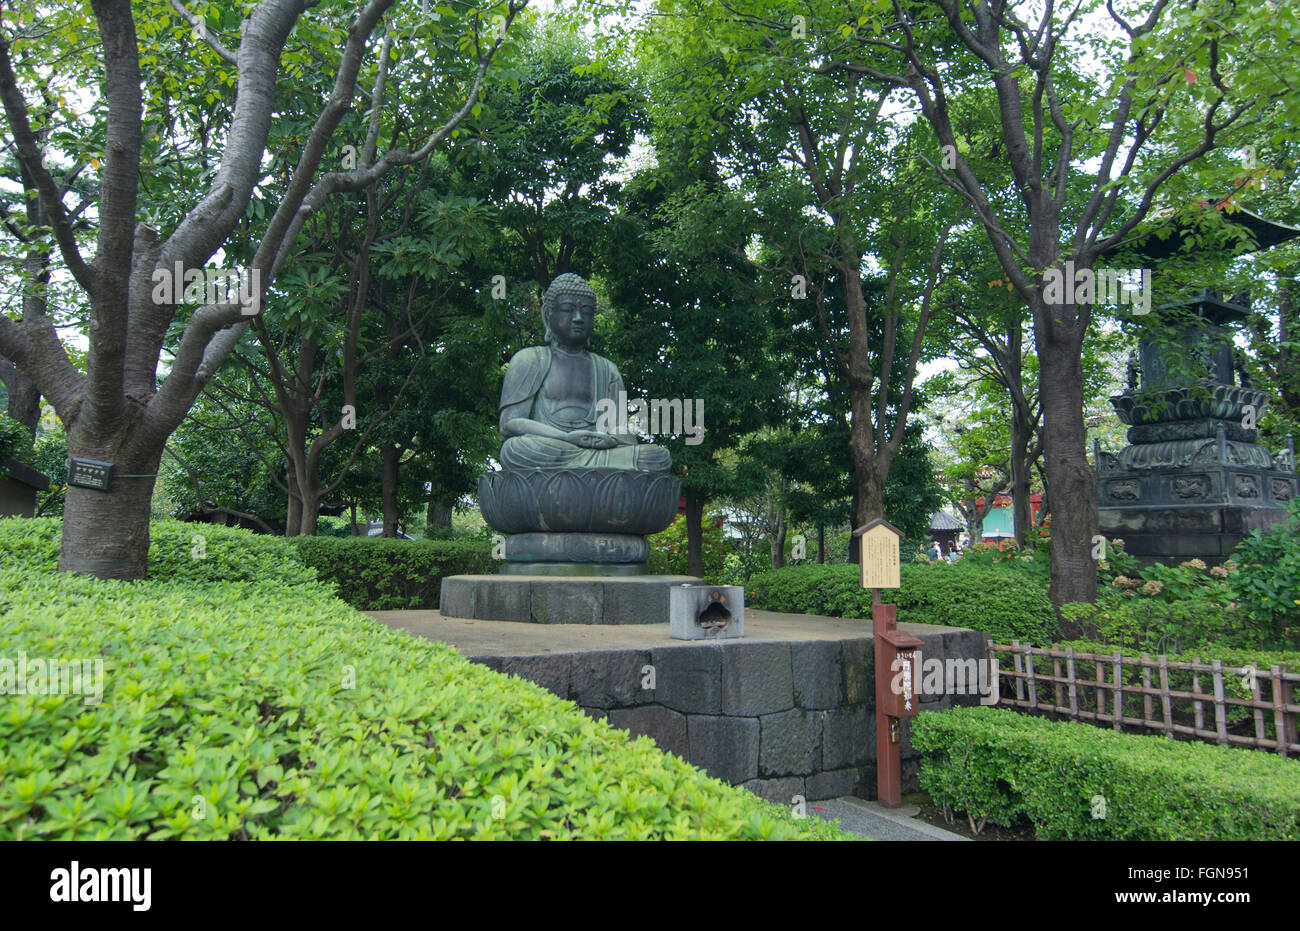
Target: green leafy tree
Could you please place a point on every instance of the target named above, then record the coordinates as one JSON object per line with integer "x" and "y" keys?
{"x": 683, "y": 325}
{"x": 161, "y": 206}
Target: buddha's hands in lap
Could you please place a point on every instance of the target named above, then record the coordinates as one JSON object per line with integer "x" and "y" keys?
{"x": 591, "y": 439}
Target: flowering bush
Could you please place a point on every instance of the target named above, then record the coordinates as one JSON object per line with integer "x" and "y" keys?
{"x": 1266, "y": 586}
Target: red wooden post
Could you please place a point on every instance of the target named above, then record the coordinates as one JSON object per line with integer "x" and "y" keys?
{"x": 889, "y": 776}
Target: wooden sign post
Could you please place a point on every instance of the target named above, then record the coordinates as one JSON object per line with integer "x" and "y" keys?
{"x": 878, "y": 552}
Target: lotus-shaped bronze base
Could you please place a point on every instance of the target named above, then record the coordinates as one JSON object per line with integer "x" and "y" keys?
{"x": 578, "y": 500}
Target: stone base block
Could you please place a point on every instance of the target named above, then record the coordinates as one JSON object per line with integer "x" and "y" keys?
{"x": 543, "y": 599}
{"x": 1178, "y": 533}
{"x": 787, "y": 711}
{"x": 706, "y": 612}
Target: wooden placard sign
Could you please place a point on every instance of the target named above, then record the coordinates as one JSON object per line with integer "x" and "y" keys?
{"x": 878, "y": 553}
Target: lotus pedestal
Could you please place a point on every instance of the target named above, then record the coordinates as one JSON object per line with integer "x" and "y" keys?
{"x": 577, "y": 522}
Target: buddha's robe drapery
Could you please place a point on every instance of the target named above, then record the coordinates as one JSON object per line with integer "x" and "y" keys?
{"x": 526, "y": 380}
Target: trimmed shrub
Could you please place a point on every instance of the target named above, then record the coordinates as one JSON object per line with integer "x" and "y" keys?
{"x": 178, "y": 551}
{"x": 383, "y": 575}
{"x": 280, "y": 712}
{"x": 1009, "y": 768}
{"x": 369, "y": 574}
{"x": 1003, "y": 603}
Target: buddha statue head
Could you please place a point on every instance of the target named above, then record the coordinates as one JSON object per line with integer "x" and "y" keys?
{"x": 569, "y": 311}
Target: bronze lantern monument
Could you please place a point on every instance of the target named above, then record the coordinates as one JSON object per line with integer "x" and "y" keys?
{"x": 1194, "y": 479}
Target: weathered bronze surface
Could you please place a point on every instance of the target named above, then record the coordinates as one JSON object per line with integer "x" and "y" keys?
{"x": 559, "y": 473}
{"x": 1194, "y": 479}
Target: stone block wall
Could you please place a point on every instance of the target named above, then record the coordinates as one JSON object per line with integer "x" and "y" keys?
{"x": 782, "y": 718}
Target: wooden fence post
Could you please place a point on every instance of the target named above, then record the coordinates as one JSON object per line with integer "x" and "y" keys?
{"x": 1101, "y": 688}
{"x": 1289, "y": 719}
{"x": 1198, "y": 707}
{"x": 1146, "y": 689}
{"x": 1117, "y": 684}
{"x": 1279, "y": 711}
{"x": 1056, "y": 679}
{"x": 1070, "y": 684}
{"x": 1033, "y": 685}
{"x": 1166, "y": 705}
{"x": 1257, "y": 696}
{"x": 1220, "y": 721}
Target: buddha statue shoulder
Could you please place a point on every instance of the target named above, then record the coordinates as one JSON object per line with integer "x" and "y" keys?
{"x": 553, "y": 395}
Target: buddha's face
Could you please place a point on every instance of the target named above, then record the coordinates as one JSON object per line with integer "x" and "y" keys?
{"x": 572, "y": 318}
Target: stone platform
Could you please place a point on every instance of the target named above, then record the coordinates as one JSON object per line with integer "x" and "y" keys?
{"x": 548, "y": 599}
{"x": 1171, "y": 532}
{"x": 788, "y": 710}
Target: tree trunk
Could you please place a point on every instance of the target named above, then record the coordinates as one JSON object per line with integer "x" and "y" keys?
{"x": 1073, "y": 482}
{"x": 438, "y": 514}
{"x": 1020, "y": 509}
{"x": 106, "y": 534}
{"x": 821, "y": 544}
{"x": 694, "y": 534}
{"x": 24, "y": 397}
{"x": 310, "y": 510}
{"x": 777, "y": 542}
{"x": 855, "y": 553}
{"x": 309, "y": 487}
{"x": 293, "y": 506}
{"x": 391, "y": 454}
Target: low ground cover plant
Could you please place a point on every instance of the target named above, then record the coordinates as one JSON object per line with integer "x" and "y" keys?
{"x": 235, "y": 708}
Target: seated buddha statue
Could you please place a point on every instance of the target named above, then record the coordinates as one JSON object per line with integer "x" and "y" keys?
{"x": 551, "y": 395}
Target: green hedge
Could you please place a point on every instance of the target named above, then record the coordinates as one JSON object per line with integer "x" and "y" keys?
{"x": 369, "y": 574}
{"x": 1003, "y": 603}
{"x": 1012, "y": 768}
{"x": 379, "y": 575}
{"x": 238, "y": 710}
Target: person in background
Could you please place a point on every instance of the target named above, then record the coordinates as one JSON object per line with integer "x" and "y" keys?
{"x": 935, "y": 552}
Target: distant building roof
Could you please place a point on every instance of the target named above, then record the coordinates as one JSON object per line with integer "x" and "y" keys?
{"x": 999, "y": 522}
{"x": 941, "y": 520}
